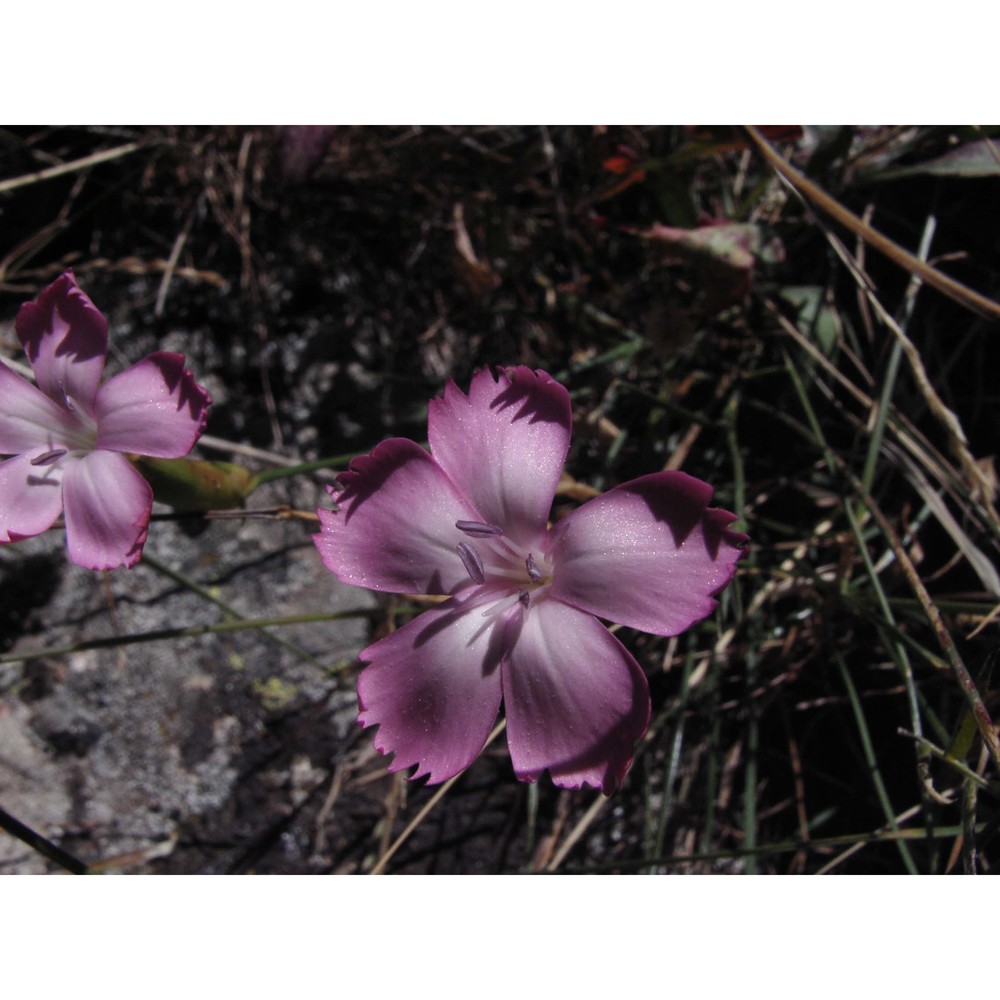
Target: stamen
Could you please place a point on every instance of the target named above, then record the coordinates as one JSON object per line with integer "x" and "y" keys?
{"x": 534, "y": 573}
{"x": 517, "y": 551}
{"x": 473, "y": 564}
{"x": 523, "y": 596}
{"x": 502, "y": 606}
{"x": 478, "y": 529}
{"x": 48, "y": 457}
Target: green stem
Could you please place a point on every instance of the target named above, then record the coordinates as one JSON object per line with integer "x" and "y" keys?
{"x": 892, "y": 372}
{"x": 673, "y": 763}
{"x": 871, "y": 760}
{"x": 967, "y": 773}
{"x": 287, "y": 471}
{"x": 900, "y": 835}
{"x": 186, "y": 633}
{"x": 835, "y": 465}
{"x": 185, "y": 581}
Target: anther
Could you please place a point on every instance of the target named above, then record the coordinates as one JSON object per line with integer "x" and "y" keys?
{"x": 48, "y": 457}
{"x": 524, "y": 597}
{"x": 473, "y": 564}
{"x": 534, "y": 573}
{"x": 478, "y": 529}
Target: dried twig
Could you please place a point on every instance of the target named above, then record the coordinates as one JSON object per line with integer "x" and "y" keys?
{"x": 13, "y": 183}
{"x": 428, "y": 806}
{"x": 962, "y": 294}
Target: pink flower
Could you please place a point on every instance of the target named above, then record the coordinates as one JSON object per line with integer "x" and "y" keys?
{"x": 471, "y": 521}
{"x": 70, "y": 435}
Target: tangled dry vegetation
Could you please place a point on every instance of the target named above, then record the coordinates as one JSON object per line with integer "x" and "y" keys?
{"x": 805, "y": 319}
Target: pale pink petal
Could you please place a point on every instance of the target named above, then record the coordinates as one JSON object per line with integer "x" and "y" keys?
{"x": 154, "y": 408}
{"x": 575, "y": 699}
{"x": 66, "y": 339}
{"x": 504, "y": 446}
{"x": 30, "y": 496}
{"x": 394, "y": 528}
{"x": 433, "y": 689}
{"x": 106, "y": 508}
{"x": 29, "y": 419}
{"x": 648, "y": 554}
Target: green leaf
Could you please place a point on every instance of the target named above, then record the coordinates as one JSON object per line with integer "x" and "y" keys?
{"x": 974, "y": 159}
{"x": 815, "y": 318}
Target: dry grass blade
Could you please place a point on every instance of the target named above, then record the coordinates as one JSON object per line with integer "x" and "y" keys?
{"x": 904, "y": 432}
{"x": 387, "y": 855}
{"x": 886, "y": 831}
{"x": 960, "y": 446}
{"x": 13, "y": 183}
{"x": 975, "y": 556}
{"x": 983, "y": 722}
{"x": 577, "y": 832}
{"x": 969, "y": 298}
{"x": 977, "y": 480}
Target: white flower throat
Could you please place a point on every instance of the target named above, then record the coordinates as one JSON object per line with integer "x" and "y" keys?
{"x": 495, "y": 558}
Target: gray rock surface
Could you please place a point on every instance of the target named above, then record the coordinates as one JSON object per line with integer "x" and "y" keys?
{"x": 113, "y": 752}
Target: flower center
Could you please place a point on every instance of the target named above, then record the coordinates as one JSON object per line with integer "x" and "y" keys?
{"x": 75, "y": 437}
{"x": 84, "y": 435}
{"x": 493, "y": 557}
{"x": 76, "y": 434}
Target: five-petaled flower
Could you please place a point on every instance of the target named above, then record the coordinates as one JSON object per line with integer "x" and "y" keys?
{"x": 70, "y": 435}
{"x": 470, "y": 520}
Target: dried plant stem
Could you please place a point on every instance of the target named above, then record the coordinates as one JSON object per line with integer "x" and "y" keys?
{"x": 961, "y": 673}
{"x": 600, "y": 801}
{"x": 858, "y": 842}
{"x": 983, "y": 722}
{"x": 956, "y": 436}
{"x": 885, "y": 833}
{"x": 427, "y": 807}
{"x": 970, "y": 858}
{"x": 872, "y": 761}
{"x": 41, "y": 844}
{"x": 11, "y": 184}
{"x": 935, "y": 464}
{"x": 172, "y": 260}
{"x": 948, "y": 759}
{"x": 962, "y": 294}
{"x": 246, "y": 450}
{"x": 203, "y": 592}
{"x": 974, "y": 477}
{"x": 892, "y": 368}
{"x": 192, "y": 631}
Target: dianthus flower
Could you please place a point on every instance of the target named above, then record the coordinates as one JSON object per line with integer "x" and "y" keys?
{"x": 70, "y": 434}
{"x": 470, "y": 520}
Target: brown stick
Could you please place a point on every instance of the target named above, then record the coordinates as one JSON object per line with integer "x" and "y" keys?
{"x": 67, "y": 168}
{"x": 962, "y": 294}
